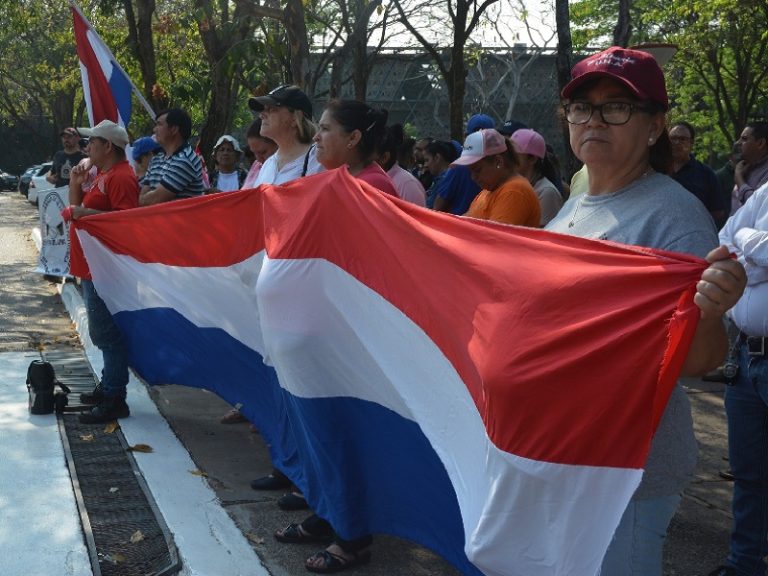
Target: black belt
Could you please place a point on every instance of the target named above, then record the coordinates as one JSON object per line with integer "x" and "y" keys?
{"x": 756, "y": 345}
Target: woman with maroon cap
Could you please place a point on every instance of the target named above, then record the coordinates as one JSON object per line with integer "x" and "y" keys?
{"x": 616, "y": 109}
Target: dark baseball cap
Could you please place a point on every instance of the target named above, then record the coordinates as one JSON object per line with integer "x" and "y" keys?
{"x": 510, "y": 127}
{"x": 288, "y": 96}
{"x": 69, "y": 132}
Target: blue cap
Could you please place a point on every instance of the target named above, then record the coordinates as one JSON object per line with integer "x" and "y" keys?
{"x": 458, "y": 147}
{"x": 144, "y": 145}
{"x": 478, "y": 122}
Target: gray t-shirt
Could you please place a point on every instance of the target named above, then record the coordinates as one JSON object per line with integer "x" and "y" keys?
{"x": 653, "y": 212}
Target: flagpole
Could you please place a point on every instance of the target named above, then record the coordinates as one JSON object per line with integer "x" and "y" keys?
{"x": 136, "y": 91}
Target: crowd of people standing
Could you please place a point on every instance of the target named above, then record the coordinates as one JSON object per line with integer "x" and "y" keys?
{"x": 640, "y": 185}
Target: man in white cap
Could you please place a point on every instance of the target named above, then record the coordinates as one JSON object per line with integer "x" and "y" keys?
{"x": 228, "y": 176}
{"x": 114, "y": 188}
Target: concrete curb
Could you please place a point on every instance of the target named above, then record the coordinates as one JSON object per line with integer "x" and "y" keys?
{"x": 208, "y": 540}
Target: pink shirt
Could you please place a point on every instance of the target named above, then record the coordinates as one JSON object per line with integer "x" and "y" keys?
{"x": 253, "y": 173}
{"x": 407, "y": 185}
{"x": 374, "y": 175}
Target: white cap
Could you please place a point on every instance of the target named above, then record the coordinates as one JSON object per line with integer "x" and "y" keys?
{"x": 479, "y": 145}
{"x": 109, "y": 131}
{"x": 230, "y": 139}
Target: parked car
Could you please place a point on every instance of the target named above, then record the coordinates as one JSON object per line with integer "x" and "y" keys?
{"x": 26, "y": 178}
{"x": 39, "y": 183}
{"x": 8, "y": 181}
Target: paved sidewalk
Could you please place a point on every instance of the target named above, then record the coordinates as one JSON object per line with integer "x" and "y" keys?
{"x": 35, "y": 486}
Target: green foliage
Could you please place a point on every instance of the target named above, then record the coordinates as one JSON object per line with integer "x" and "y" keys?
{"x": 39, "y": 75}
{"x": 593, "y": 21}
{"x": 717, "y": 80}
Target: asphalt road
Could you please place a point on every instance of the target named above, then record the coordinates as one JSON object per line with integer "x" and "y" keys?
{"x": 31, "y": 316}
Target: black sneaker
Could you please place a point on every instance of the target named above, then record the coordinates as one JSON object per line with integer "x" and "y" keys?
{"x": 96, "y": 396}
{"x": 110, "y": 409}
{"x": 275, "y": 481}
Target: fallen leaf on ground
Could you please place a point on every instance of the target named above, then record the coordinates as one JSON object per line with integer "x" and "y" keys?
{"x": 137, "y": 536}
{"x": 113, "y": 490}
{"x": 253, "y": 538}
{"x": 115, "y": 558}
{"x": 198, "y": 473}
{"x": 146, "y": 448}
{"x": 111, "y": 427}
{"x": 86, "y": 437}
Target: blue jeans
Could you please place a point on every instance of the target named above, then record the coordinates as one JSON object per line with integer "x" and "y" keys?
{"x": 746, "y": 403}
{"x": 638, "y": 544}
{"x": 106, "y": 336}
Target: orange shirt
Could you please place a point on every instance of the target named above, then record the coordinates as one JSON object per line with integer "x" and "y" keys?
{"x": 514, "y": 202}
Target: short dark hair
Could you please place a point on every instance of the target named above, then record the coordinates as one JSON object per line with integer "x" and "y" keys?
{"x": 759, "y": 128}
{"x": 179, "y": 118}
{"x": 391, "y": 143}
{"x": 687, "y": 126}
{"x": 355, "y": 115}
{"x": 445, "y": 149}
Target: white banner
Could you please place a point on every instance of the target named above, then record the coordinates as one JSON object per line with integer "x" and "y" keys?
{"x": 54, "y": 232}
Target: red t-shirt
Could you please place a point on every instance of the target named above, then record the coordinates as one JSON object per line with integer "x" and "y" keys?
{"x": 115, "y": 189}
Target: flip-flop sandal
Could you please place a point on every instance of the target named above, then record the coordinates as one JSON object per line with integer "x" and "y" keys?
{"x": 293, "y": 534}
{"x": 292, "y": 501}
{"x": 334, "y": 563}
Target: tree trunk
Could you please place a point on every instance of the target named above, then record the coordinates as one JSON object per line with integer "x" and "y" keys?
{"x": 360, "y": 71}
{"x": 337, "y": 74}
{"x": 142, "y": 44}
{"x": 220, "y": 111}
{"x": 564, "y": 59}
{"x": 457, "y": 87}
{"x": 296, "y": 30}
{"x": 623, "y": 30}
{"x": 219, "y": 37}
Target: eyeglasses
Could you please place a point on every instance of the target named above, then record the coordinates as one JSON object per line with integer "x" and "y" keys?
{"x": 613, "y": 113}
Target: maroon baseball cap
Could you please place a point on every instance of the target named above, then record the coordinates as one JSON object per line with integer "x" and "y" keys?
{"x": 636, "y": 70}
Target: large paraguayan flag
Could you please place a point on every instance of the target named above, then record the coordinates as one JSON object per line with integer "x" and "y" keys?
{"x": 489, "y": 391}
{"x": 107, "y": 89}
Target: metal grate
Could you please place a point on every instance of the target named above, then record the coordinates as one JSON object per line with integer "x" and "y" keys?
{"x": 124, "y": 531}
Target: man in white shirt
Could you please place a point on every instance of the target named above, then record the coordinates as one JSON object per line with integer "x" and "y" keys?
{"x": 746, "y": 398}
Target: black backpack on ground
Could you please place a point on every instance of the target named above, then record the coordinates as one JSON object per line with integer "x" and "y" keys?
{"x": 41, "y": 385}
